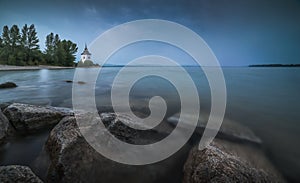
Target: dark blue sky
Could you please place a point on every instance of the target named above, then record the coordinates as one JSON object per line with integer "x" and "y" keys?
{"x": 240, "y": 32}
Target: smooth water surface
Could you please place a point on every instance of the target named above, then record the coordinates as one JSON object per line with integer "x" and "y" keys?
{"x": 265, "y": 99}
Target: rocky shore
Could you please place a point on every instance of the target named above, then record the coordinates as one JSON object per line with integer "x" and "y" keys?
{"x": 234, "y": 156}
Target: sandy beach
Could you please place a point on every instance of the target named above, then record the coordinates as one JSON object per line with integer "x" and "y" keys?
{"x": 14, "y": 68}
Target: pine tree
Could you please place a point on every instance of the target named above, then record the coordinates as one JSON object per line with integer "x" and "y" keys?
{"x": 70, "y": 49}
{"x": 29, "y": 43}
{"x": 6, "y": 45}
{"x": 24, "y": 43}
{"x": 5, "y": 36}
{"x": 1, "y": 42}
{"x": 32, "y": 38}
{"x": 15, "y": 37}
{"x": 22, "y": 48}
{"x": 24, "y": 40}
{"x": 33, "y": 41}
{"x": 49, "y": 52}
{"x": 1, "y": 49}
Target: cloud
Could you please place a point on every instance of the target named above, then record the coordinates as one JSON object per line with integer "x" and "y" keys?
{"x": 90, "y": 11}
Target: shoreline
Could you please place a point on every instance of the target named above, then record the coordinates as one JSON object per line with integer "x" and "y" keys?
{"x": 21, "y": 68}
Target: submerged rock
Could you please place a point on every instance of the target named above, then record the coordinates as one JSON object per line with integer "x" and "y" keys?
{"x": 223, "y": 161}
{"x": 25, "y": 117}
{"x": 8, "y": 85}
{"x": 74, "y": 160}
{"x": 81, "y": 82}
{"x": 229, "y": 130}
{"x": 17, "y": 174}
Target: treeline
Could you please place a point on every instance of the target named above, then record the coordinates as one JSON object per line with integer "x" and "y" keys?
{"x": 21, "y": 47}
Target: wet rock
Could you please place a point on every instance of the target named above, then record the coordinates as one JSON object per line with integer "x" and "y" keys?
{"x": 17, "y": 174}
{"x": 25, "y": 117}
{"x": 74, "y": 160}
{"x": 224, "y": 161}
{"x": 229, "y": 130}
{"x": 8, "y": 85}
{"x": 81, "y": 82}
{"x": 4, "y": 127}
{"x": 123, "y": 127}
{"x": 4, "y": 105}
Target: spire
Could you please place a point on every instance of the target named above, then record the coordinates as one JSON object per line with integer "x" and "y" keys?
{"x": 85, "y": 51}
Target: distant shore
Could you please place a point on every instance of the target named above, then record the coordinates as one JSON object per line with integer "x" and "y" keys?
{"x": 275, "y": 65}
{"x": 17, "y": 68}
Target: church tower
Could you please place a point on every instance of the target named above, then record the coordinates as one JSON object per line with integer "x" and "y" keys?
{"x": 85, "y": 55}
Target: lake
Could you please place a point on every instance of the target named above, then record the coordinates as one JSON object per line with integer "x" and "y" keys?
{"x": 267, "y": 100}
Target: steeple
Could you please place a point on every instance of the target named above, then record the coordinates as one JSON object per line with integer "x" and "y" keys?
{"x": 85, "y": 55}
{"x": 86, "y": 51}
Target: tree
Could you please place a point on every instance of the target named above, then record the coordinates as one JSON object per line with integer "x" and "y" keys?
{"x": 49, "y": 52}
{"x": 33, "y": 39}
{"x": 29, "y": 43}
{"x": 54, "y": 53}
{"x": 59, "y": 52}
{"x": 15, "y": 37}
{"x": 11, "y": 42}
{"x": 24, "y": 40}
{"x": 70, "y": 49}
{"x": 1, "y": 42}
{"x": 5, "y": 36}
{"x": 24, "y": 44}
{"x": 6, "y": 49}
{"x": 1, "y": 48}
{"x": 22, "y": 48}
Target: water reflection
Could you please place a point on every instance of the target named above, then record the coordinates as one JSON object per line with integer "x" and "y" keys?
{"x": 44, "y": 75}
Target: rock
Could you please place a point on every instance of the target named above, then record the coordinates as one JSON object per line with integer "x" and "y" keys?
{"x": 17, "y": 174}
{"x": 4, "y": 127}
{"x": 118, "y": 125}
{"x": 224, "y": 161}
{"x": 230, "y": 130}
{"x": 81, "y": 82}
{"x": 8, "y": 85}
{"x": 74, "y": 160}
{"x": 25, "y": 117}
{"x": 4, "y": 105}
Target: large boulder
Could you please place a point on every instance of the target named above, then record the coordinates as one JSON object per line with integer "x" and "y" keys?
{"x": 4, "y": 105}
{"x": 8, "y": 85}
{"x": 25, "y": 117}
{"x": 229, "y": 130}
{"x": 17, "y": 174}
{"x": 74, "y": 160}
{"x": 5, "y": 127}
{"x": 225, "y": 161}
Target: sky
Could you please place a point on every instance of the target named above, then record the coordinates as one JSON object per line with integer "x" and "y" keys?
{"x": 239, "y": 32}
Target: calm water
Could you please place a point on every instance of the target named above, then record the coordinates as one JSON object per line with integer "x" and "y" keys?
{"x": 265, "y": 99}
